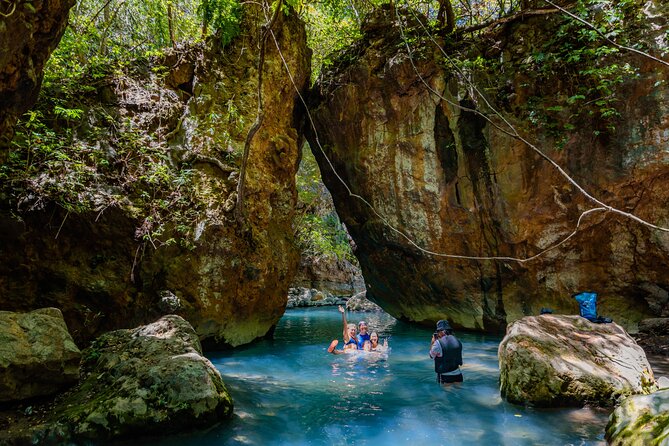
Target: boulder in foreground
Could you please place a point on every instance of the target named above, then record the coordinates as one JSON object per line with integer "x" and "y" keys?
{"x": 37, "y": 354}
{"x": 557, "y": 360}
{"x": 151, "y": 380}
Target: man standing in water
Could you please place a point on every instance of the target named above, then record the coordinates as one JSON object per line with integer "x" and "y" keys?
{"x": 446, "y": 350}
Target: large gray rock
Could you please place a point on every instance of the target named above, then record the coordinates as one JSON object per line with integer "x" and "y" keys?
{"x": 149, "y": 380}
{"x": 229, "y": 276}
{"x": 641, "y": 420}
{"x": 37, "y": 354}
{"x": 328, "y": 274}
{"x": 556, "y": 360}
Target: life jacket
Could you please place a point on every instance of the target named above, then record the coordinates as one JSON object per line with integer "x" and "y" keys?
{"x": 451, "y": 355}
{"x": 361, "y": 340}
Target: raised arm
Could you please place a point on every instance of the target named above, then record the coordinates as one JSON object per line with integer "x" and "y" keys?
{"x": 342, "y": 310}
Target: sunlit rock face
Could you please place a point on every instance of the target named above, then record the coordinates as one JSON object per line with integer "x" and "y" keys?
{"x": 401, "y": 133}
{"x": 30, "y": 32}
{"x": 640, "y": 420}
{"x": 330, "y": 275}
{"x": 551, "y": 361}
{"x": 230, "y": 278}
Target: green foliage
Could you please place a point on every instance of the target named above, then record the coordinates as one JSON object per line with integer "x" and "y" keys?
{"x": 332, "y": 25}
{"x": 318, "y": 231}
{"x": 589, "y": 68}
{"x": 56, "y": 156}
{"x": 324, "y": 236}
{"x": 47, "y": 164}
{"x": 222, "y": 15}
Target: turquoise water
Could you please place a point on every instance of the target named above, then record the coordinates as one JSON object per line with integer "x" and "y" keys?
{"x": 290, "y": 391}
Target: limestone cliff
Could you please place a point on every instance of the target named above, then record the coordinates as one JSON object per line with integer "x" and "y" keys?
{"x": 114, "y": 242}
{"x": 408, "y": 133}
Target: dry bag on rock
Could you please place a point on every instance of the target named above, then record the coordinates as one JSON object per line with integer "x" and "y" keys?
{"x": 587, "y": 303}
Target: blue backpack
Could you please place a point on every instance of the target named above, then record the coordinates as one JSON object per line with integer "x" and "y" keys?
{"x": 587, "y": 302}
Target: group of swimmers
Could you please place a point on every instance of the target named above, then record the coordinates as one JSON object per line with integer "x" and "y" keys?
{"x": 353, "y": 342}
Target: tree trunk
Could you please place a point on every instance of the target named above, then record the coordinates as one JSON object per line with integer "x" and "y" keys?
{"x": 446, "y": 9}
{"x": 170, "y": 24}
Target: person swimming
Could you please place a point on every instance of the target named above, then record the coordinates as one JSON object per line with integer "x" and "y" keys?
{"x": 364, "y": 341}
{"x": 374, "y": 340}
{"x": 350, "y": 336}
{"x": 366, "y": 347}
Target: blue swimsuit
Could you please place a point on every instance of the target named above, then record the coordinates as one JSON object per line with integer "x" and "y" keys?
{"x": 350, "y": 341}
{"x": 361, "y": 339}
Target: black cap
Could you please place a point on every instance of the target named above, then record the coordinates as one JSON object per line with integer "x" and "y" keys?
{"x": 443, "y": 325}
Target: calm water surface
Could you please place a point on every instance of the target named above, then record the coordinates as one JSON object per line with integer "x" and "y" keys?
{"x": 290, "y": 391}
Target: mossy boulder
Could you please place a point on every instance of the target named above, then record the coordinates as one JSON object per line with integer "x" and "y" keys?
{"x": 641, "y": 420}
{"x": 37, "y": 354}
{"x": 557, "y": 360}
{"x": 149, "y": 380}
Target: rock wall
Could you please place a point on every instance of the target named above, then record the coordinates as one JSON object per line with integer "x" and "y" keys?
{"x": 230, "y": 279}
{"x": 401, "y": 131}
{"x": 338, "y": 277}
{"x": 34, "y": 30}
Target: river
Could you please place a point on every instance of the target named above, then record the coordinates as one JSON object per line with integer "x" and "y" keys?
{"x": 290, "y": 391}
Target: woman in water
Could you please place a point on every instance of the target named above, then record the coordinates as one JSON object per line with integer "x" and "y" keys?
{"x": 376, "y": 347}
{"x": 349, "y": 348}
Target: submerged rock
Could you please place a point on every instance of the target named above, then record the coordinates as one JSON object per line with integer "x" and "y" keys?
{"x": 37, "y": 354}
{"x": 555, "y": 360}
{"x": 149, "y": 380}
{"x": 641, "y": 420}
